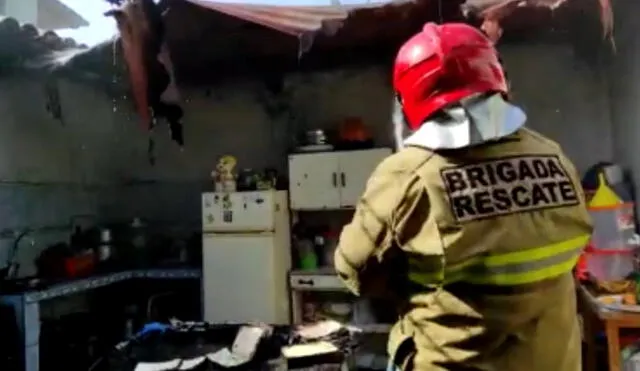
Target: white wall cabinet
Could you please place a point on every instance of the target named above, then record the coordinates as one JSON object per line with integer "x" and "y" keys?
{"x": 313, "y": 181}
{"x": 331, "y": 180}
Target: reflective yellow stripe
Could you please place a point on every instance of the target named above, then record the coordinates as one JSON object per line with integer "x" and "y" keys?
{"x": 538, "y": 253}
{"x": 524, "y": 255}
{"x": 426, "y": 279}
{"x": 514, "y": 268}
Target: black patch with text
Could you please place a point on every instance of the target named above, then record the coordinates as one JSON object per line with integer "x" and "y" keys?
{"x": 507, "y": 186}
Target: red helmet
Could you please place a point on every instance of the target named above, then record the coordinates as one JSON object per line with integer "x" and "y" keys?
{"x": 442, "y": 65}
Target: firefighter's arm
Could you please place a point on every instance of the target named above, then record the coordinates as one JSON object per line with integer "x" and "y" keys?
{"x": 368, "y": 243}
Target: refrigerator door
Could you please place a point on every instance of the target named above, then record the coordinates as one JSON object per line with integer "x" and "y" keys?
{"x": 241, "y": 211}
{"x": 244, "y": 279}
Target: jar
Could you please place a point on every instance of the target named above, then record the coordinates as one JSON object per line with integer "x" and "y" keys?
{"x": 247, "y": 180}
{"x": 329, "y": 248}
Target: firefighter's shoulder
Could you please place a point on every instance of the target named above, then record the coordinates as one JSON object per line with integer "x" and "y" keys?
{"x": 541, "y": 138}
{"x": 404, "y": 162}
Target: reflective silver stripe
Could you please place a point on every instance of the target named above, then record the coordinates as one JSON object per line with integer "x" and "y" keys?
{"x": 477, "y": 269}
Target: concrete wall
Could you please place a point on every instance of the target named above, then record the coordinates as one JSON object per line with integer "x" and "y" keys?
{"x": 625, "y": 90}
{"x": 52, "y": 170}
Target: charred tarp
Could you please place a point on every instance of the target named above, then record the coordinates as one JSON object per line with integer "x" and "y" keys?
{"x": 146, "y": 54}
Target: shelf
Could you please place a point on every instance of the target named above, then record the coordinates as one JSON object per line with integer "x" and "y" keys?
{"x": 325, "y": 271}
{"x": 91, "y": 283}
{"x": 323, "y": 279}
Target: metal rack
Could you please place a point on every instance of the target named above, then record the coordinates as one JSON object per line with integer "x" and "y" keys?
{"x": 26, "y": 305}
{"x": 323, "y": 280}
{"x": 326, "y": 280}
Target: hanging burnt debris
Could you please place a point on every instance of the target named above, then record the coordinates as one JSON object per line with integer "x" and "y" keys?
{"x": 142, "y": 35}
{"x": 493, "y": 12}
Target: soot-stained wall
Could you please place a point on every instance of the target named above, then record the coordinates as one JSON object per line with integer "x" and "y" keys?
{"x": 94, "y": 161}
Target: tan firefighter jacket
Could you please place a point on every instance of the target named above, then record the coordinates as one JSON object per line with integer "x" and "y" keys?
{"x": 476, "y": 248}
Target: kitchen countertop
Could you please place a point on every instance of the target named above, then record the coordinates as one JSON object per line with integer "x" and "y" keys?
{"x": 53, "y": 290}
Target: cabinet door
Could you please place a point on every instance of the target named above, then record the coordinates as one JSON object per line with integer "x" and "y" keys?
{"x": 355, "y": 169}
{"x": 313, "y": 181}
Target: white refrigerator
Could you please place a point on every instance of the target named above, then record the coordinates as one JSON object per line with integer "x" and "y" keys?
{"x": 246, "y": 257}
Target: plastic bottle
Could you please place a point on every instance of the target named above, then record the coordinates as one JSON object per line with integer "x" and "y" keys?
{"x": 307, "y": 253}
{"x": 139, "y": 240}
{"x": 139, "y": 243}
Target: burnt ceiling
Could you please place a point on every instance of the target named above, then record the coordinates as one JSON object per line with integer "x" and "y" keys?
{"x": 207, "y": 46}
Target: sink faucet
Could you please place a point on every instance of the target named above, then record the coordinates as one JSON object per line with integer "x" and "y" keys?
{"x": 13, "y": 266}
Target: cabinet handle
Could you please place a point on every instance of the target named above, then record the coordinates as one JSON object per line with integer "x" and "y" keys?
{"x": 343, "y": 179}
{"x": 335, "y": 180}
{"x": 305, "y": 282}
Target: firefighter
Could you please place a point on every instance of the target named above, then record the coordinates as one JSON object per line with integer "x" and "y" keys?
{"x": 473, "y": 226}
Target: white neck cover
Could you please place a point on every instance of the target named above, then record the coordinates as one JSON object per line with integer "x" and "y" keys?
{"x": 470, "y": 122}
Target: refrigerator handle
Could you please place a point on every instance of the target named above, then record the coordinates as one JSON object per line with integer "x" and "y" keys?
{"x": 335, "y": 179}
{"x": 343, "y": 179}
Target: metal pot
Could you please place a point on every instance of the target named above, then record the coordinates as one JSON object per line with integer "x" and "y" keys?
{"x": 315, "y": 137}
